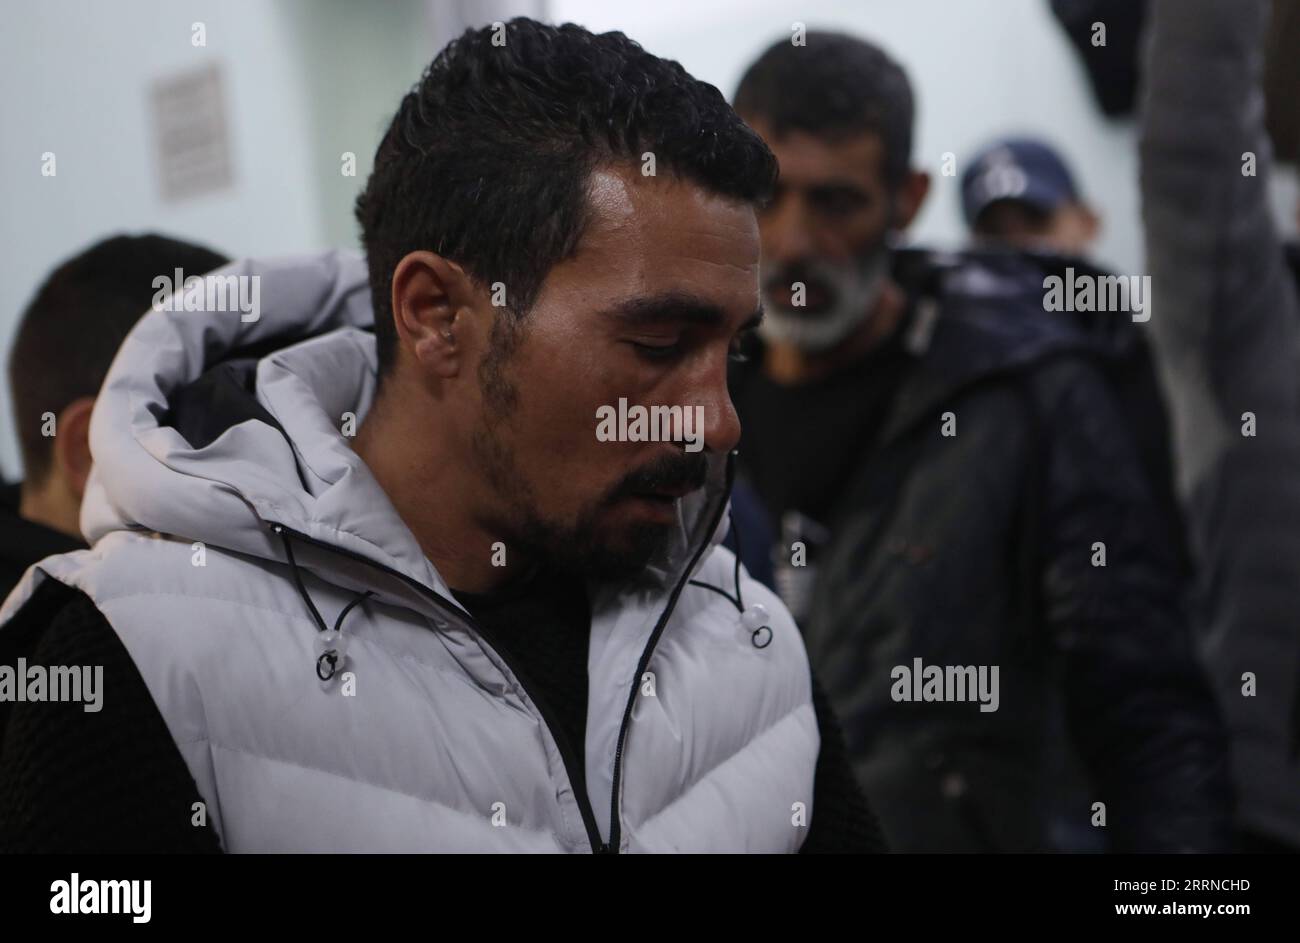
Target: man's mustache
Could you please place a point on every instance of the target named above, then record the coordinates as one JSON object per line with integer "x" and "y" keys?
{"x": 669, "y": 472}
{"x": 785, "y": 278}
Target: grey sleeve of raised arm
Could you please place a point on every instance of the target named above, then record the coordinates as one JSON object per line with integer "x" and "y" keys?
{"x": 1227, "y": 334}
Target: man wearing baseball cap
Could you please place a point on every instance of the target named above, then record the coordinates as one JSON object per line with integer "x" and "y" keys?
{"x": 1018, "y": 192}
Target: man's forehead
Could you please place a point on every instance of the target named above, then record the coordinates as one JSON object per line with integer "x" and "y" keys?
{"x": 666, "y": 234}
{"x": 622, "y": 201}
{"x": 808, "y": 158}
{"x": 610, "y": 197}
{"x": 658, "y": 252}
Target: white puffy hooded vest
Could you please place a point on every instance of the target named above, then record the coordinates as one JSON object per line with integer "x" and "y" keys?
{"x": 697, "y": 738}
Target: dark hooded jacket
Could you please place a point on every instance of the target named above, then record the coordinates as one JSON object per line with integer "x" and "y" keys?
{"x": 979, "y": 548}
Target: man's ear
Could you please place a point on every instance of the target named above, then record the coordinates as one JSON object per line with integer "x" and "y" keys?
{"x": 431, "y": 301}
{"x": 1091, "y": 223}
{"x": 910, "y": 195}
{"x": 72, "y": 444}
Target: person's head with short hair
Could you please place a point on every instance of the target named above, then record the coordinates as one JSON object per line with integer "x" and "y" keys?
{"x": 1018, "y": 192}
{"x": 66, "y": 339}
{"x": 838, "y": 112}
{"x": 556, "y": 220}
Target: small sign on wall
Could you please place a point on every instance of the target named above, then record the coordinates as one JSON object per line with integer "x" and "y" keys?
{"x": 191, "y": 133}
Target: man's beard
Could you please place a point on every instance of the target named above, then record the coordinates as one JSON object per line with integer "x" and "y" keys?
{"x": 851, "y": 292}
{"x": 577, "y": 548}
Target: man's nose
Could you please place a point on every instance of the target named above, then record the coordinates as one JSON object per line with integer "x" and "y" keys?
{"x": 721, "y": 431}
{"x": 785, "y": 233}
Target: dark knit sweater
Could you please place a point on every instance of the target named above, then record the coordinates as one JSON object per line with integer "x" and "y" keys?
{"x": 72, "y": 781}
{"x": 78, "y": 782}
{"x": 544, "y": 625}
{"x": 24, "y": 542}
{"x": 545, "y": 630}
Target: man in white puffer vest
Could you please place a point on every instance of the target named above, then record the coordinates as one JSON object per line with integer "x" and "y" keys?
{"x": 421, "y": 552}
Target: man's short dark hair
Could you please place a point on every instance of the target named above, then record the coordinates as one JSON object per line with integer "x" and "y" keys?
{"x": 835, "y": 86}
{"x": 72, "y": 328}
{"x": 488, "y": 157}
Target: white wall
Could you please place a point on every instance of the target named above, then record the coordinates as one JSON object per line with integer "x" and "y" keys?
{"x": 304, "y": 81}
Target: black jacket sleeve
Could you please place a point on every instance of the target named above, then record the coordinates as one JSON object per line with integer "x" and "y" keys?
{"x": 73, "y": 781}
{"x": 1137, "y": 704}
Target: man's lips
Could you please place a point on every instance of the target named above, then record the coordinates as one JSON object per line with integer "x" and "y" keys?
{"x": 665, "y": 480}
{"x": 660, "y": 505}
{"x": 668, "y": 494}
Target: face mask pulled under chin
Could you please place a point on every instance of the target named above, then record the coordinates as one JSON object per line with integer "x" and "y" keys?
{"x": 856, "y": 290}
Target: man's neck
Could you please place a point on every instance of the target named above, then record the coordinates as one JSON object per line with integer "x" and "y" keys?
{"x": 787, "y": 365}
{"x": 430, "y": 497}
{"x": 52, "y": 506}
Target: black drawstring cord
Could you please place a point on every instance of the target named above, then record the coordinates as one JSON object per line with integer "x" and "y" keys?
{"x": 736, "y": 600}
{"x": 761, "y": 635}
{"x": 338, "y": 623}
{"x": 735, "y": 576}
{"x": 297, "y": 578}
{"x": 330, "y": 657}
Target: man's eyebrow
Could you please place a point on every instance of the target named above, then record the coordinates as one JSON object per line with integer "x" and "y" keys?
{"x": 674, "y": 308}
{"x": 835, "y": 184}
